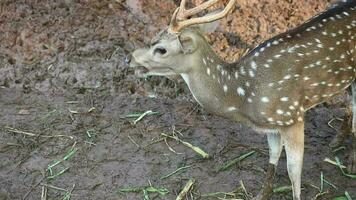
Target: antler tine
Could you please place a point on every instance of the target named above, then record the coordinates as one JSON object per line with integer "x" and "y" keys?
{"x": 182, "y": 4}
{"x": 184, "y": 14}
{"x": 174, "y": 18}
{"x": 176, "y": 26}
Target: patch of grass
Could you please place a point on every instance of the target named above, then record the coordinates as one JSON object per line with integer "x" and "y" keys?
{"x": 346, "y": 197}
{"x": 235, "y": 161}
{"x": 67, "y": 195}
{"x": 282, "y": 189}
{"x": 146, "y": 190}
{"x": 180, "y": 169}
{"x": 239, "y": 193}
{"x": 140, "y": 116}
{"x": 187, "y": 144}
{"x": 222, "y": 195}
{"x": 49, "y": 118}
{"x": 321, "y": 188}
{"x": 27, "y": 133}
{"x": 50, "y": 167}
{"x": 338, "y": 163}
{"x": 339, "y": 149}
{"x": 188, "y": 186}
{"x": 90, "y": 133}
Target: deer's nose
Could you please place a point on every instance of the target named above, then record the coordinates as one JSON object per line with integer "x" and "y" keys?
{"x": 128, "y": 59}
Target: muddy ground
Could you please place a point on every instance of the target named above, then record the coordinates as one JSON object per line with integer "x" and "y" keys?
{"x": 65, "y": 94}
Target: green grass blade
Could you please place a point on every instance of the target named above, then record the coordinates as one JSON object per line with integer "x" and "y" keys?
{"x": 175, "y": 171}
{"x": 236, "y": 160}
{"x": 282, "y": 189}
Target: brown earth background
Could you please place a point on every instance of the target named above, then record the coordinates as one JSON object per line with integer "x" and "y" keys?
{"x": 65, "y": 94}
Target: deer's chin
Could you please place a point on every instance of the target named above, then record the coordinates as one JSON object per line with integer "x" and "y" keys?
{"x": 142, "y": 71}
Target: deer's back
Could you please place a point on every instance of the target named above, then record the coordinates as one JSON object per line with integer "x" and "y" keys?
{"x": 301, "y": 68}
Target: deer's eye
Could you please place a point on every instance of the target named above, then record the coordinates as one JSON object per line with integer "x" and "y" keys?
{"x": 160, "y": 50}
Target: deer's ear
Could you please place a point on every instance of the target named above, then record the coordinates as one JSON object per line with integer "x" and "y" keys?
{"x": 211, "y": 26}
{"x": 208, "y": 27}
{"x": 187, "y": 43}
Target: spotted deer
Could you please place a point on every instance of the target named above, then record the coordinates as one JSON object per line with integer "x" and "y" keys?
{"x": 270, "y": 88}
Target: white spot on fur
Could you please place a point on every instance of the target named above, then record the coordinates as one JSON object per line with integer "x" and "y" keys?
{"x": 265, "y": 99}
{"x": 253, "y": 65}
{"x": 225, "y": 88}
{"x": 279, "y": 111}
{"x": 284, "y": 99}
{"x": 251, "y": 73}
{"x": 241, "y": 91}
{"x": 204, "y": 61}
{"x": 232, "y": 108}
{"x": 287, "y": 77}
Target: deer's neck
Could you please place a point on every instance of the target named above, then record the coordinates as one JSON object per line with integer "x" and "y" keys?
{"x": 216, "y": 86}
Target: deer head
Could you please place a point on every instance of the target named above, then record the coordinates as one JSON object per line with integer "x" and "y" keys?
{"x": 177, "y": 49}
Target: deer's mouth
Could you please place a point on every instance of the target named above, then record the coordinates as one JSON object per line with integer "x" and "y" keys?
{"x": 142, "y": 71}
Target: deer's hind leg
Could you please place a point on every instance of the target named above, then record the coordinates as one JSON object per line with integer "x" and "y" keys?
{"x": 275, "y": 148}
{"x": 352, "y": 165}
{"x": 293, "y": 139}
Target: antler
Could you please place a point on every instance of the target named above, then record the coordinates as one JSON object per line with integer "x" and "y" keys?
{"x": 180, "y": 16}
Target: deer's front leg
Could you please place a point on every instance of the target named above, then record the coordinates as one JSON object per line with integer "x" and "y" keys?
{"x": 293, "y": 139}
{"x": 352, "y": 165}
{"x": 275, "y": 148}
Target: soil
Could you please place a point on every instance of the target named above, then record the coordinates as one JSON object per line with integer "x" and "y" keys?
{"x": 65, "y": 94}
